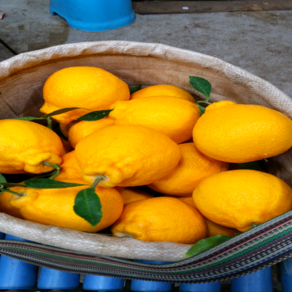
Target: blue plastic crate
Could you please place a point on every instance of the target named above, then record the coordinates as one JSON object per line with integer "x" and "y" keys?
{"x": 94, "y": 15}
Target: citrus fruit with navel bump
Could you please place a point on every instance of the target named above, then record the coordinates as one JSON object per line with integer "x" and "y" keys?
{"x": 85, "y": 87}
{"x": 126, "y": 155}
{"x": 55, "y": 207}
{"x": 25, "y": 146}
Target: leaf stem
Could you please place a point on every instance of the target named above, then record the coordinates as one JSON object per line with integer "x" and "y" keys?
{"x": 56, "y": 166}
{"x": 15, "y": 193}
{"x": 97, "y": 180}
{"x": 204, "y": 101}
{"x": 49, "y": 120}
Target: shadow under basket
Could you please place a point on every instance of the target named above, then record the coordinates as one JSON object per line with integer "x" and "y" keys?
{"x": 21, "y": 80}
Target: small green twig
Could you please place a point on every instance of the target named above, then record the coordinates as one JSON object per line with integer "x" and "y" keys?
{"x": 97, "y": 180}
{"x": 49, "y": 120}
{"x": 56, "y": 166}
{"x": 204, "y": 101}
{"x": 15, "y": 193}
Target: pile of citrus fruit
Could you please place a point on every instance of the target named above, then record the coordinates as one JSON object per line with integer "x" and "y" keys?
{"x": 152, "y": 164}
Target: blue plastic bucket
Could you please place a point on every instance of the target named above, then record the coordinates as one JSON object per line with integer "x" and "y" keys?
{"x": 94, "y": 15}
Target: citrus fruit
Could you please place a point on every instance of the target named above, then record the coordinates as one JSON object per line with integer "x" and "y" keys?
{"x": 55, "y": 207}
{"x": 82, "y": 86}
{"x": 161, "y": 219}
{"x": 187, "y": 199}
{"x": 163, "y": 90}
{"x": 240, "y": 198}
{"x": 83, "y": 128}
{"x": 24, "y": 146}
{"x": 66, "y": 146}
{"x": 64, "y": 128}
{"x": 127, "y": 155}
{"x": 192, "y": 168}
{"x": 242, "y": 133}
{"x": 213, "y": 229}
{"x": 69, "y": 168}
{"x": 172, "y": 116}
{"x": 216, "y": 229}
{"x": 130, "y": 195}
{"x": 5, "y": 203}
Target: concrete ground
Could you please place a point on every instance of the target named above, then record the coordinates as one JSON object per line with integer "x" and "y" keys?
{"x": 260, "y": 42}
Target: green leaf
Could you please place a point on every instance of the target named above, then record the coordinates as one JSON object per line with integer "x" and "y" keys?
{"x": 254, "y": 165}
{"x": 2, "y": 179}
{"x": 135, "y": 88}
{"x": 87, "y": 206}
{"x": 94, "y": 116}
{"x": 202, "y": 85}
{"x": 202, "y": 109}
{"x": 29, "y": 118}
{"x": 206, "y": 244}
{"x": 46, "y": 183}
{"x": 60, "y": 111}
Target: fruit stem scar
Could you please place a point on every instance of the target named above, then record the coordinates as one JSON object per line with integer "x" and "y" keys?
{"x": 97, "y": 180}
{"x": 254, "y": 224}
{"x": 15, "y": 193}
{"x": 56, "y": 166}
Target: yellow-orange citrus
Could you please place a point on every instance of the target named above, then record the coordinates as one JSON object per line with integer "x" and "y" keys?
{"x": 64, "y": 128}
{"x": 69, "y": 168}
{"x": 66, "y": 146}
{"x": 187, "y": 199}
{"x": 192, "y": 168}
{"x": 242, "y": 133}
{"x": 126, "y": 155}
{"x": 161, "y": 219}
{"x": 219, "y": 104}
{"x": 172, "y": 116}
{"x": 239, "y": 198}
{"x": 130, "y": 195}
{"x": 82, "y": 86}
{"x": 83, "y": 128}
{"x": 24, "y": 146}
{"x": 213, "y": 229}
{"x": 55, "y": 207}
{"x": 163, "y": 90}
{"x": 216, "y": 229}
{"x": 5, "y": 203}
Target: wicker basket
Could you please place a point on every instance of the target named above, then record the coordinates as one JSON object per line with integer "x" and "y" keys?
{"x": 22, "y": 78}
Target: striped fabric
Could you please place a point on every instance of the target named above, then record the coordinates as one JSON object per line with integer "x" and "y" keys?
{"x": 263, "y": 246}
